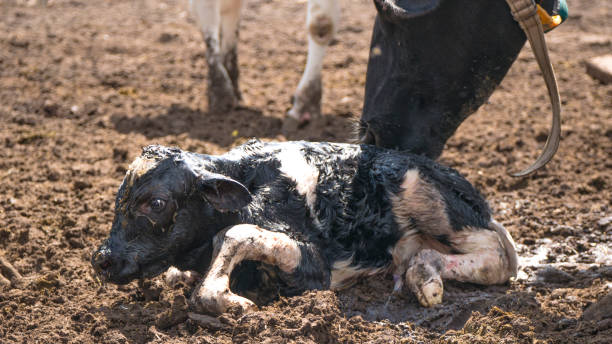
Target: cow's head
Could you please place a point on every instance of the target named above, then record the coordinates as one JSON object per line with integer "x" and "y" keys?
{"x": 434, "y": 62}
{"x": 167, "y": 211}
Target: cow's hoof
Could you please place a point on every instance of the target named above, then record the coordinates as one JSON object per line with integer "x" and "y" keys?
{"x": 290, "y": 126}
{"x": 306, "y": 103}
{"x": 303, "y": 115}
{"x": 221, "y": 102}
{"x": 222, "y": 97}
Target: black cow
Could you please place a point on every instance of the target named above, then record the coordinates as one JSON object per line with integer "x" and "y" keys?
{"x": 434, "y": 62}
{"x": 288, "y": 217}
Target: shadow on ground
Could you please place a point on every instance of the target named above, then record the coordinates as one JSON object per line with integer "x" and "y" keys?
{"x": 224, "y": 129}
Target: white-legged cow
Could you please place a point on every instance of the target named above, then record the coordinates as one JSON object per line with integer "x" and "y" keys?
{"x": 218, "y": 20}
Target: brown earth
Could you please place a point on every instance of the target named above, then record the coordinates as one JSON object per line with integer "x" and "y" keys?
{"x": 85, "y": 84}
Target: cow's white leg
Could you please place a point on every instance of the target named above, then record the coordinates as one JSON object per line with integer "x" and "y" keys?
{"x": 173, "y": 276}
{"x": 221, "y": 96}
{"x": 230, "y": 21}
{"x": 238, "y": 243}
{"x": 488, "y": 257}
{"x": 322, "y": 23}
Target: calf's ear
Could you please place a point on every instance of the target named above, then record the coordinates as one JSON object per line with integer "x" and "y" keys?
{"x": 405, "y": 9}
{"x": 225, "y": 194}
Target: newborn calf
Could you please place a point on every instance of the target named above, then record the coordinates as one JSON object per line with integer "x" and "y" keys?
{"x": 270, "y": 218}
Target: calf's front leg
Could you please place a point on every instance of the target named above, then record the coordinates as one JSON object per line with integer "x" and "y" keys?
{"x": 173, "y": 276}
{"x": 250, "y": 242}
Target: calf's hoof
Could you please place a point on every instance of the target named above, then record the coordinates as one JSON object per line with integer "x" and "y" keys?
{"x": 215, "y": 302}
{"x": 430, "y": 293}
{"x": 174, "y": 276}
{"x": 424, "y": 280}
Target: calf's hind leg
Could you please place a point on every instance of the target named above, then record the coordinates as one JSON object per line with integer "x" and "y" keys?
{"x": 299, "y": 263}
{"x": 487, "y": 257}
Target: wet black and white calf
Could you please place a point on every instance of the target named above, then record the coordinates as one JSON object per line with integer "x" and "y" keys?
{"x": 280, "y": 218}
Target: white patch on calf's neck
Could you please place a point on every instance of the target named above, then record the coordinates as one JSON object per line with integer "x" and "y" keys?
{"x": 306, "y": 177}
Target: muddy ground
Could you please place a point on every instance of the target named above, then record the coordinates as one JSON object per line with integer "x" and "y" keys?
{"x": 85, "y": 84}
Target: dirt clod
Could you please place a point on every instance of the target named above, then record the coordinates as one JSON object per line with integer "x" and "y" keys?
{"x": 601, "y": 309}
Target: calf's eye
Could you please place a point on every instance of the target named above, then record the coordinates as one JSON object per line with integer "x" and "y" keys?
{"x": 157, "y": 204}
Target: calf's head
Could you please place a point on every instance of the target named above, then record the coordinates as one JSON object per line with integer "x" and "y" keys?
{"x": 433, "y": 63}
{"x": 167, "y": 210}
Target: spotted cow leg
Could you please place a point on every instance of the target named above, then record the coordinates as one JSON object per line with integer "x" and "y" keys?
{"x": 322, "y": 22}
{"x": 208, "y": 13}
{"x": 488, "y": 257}
{"x": 250, "y": 242}
{"x": 230, "y": 22}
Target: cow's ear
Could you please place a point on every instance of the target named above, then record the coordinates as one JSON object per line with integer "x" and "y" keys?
{"x": 225, "y": 194}
{"x": 405, "y": 9}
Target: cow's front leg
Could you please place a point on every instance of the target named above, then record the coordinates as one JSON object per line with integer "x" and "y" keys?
{"x": 221, "y": 94}
{"x": 248, "y": 242}
{"x": 230, "y": 22}
{"x": 322, "y": 22}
